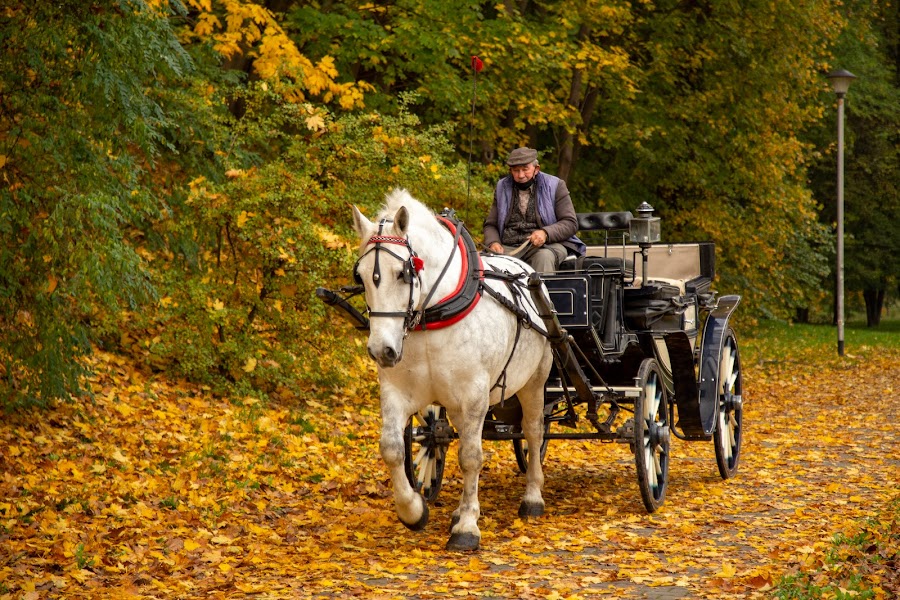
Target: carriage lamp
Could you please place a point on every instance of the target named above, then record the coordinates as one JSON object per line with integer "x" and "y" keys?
{"x": 644, "y": 227}
{"x": 644, "y": 231}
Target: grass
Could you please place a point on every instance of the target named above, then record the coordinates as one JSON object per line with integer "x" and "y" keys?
{"x": 864, "y": 563}
{"x": 777, "y": 341}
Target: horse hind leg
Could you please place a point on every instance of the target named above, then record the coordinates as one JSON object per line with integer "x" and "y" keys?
{"x": 464, "y": 534}
{"x": 532, "y": 400}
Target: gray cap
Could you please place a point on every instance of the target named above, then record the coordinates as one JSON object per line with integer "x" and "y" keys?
{"x": 521, "y": 156}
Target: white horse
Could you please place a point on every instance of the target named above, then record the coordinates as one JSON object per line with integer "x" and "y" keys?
{"x": 462, "y": 367}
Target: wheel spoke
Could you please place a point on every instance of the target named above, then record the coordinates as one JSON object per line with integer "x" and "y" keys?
{"x": 649, "y": 465}
{"x": 421, "y": 459}
{"x": 732, "y": 429}
{"x": 428, "y": 475}
{"x": 652, "y": 405}
{"x": 724, "y": 444}
{"x": 726, "y": 365}
{"x": 728, "y": 426}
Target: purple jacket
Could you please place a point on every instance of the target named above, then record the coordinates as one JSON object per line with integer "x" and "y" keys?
{"x": 554, "y": 207}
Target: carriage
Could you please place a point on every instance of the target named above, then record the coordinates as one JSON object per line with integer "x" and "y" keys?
{"x": 641, "y": 346}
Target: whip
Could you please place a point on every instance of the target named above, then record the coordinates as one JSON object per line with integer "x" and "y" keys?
{"x": 477, "y": 66}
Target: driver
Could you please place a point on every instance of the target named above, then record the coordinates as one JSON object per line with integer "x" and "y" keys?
{"x": 531, "y": 206}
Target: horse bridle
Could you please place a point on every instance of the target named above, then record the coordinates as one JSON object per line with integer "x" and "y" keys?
{"x": 409, "y": 273}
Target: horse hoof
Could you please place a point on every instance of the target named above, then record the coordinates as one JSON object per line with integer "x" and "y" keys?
{"x": 530, "y": 510}
{"x": 463, "y": 542}
{"x": 420, "y": 524}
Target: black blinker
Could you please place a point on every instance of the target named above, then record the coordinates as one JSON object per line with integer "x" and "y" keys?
{"x": 407, "y": 272}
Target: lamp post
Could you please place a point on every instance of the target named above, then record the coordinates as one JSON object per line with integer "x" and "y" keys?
{"x": 840, "y": 81}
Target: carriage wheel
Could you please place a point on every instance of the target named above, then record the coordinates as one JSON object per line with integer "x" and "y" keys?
{"x": 651, "y": 436}
{"x": 425, "y": 441}
{"x": 520, "y": 447}
{"x": 728, "y": 433}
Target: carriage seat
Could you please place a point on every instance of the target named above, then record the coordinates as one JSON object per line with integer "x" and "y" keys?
{"x": 604, "y": 221}
{"x": 606, "y": 265}
{"x": 599, "y": 265}
{"x": 645, "y": 305}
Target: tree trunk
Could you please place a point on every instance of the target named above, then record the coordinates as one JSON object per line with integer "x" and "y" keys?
{"x": 874, "y": 305}
{"x": 802, "y": 315}
{"x": 568, "y": 137}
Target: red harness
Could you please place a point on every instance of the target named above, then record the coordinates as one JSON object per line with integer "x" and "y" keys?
{"x": 446, "y": 311}
{"x": 464, "y": 274}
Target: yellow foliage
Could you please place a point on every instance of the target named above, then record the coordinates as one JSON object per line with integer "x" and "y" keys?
{"x": 242, "y": 27}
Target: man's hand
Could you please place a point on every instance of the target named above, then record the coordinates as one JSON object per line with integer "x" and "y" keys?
{"x": 496, "y": 248}
{"x": 538, "y": 238}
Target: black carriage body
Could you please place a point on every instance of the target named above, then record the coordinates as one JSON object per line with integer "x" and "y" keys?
{"x": 617, "y": 316}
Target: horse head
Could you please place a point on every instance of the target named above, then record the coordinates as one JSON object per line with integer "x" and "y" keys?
{"x": 388, "y": 268}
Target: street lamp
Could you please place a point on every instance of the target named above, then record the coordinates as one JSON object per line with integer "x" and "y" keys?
{"x": 840, "y": 81}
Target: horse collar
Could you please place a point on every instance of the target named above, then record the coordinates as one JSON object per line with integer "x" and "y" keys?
{"x": 459, "y": 303}
{"x": 448, "y": 310}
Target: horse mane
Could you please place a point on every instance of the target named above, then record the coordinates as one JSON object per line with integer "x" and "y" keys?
{"x": 418, "y": 212}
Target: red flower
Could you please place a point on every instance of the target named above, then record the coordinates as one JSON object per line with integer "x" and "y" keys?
{"x": 477, "y": 64}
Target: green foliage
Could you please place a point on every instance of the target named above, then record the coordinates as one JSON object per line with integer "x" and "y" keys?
{"x": 698, "y": 108}
{"x": 869, "y": 48}
{"x": 80, "y": 131}
{"x": 237, "y": 305}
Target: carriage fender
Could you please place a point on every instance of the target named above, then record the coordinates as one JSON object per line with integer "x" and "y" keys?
{"x": 710, "y": 357}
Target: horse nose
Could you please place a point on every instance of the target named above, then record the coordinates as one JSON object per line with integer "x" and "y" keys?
{"x": 386, "y": 357}
{"x": 391, "y": 355}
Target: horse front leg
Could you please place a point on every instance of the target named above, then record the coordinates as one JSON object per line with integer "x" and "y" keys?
{"x": 464, "y": 532}
{"x": 412, "y": 510}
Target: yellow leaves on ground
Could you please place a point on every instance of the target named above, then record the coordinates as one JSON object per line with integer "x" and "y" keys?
{"x": 159, "y": 489}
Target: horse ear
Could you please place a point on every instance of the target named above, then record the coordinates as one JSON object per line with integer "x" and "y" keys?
{"x": 401, "y": 221}
{"x": 361, "y": 224}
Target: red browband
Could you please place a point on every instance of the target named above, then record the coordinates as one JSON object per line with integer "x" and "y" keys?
{"x": 418, "y": 263}
{"x": 388, "y": 239}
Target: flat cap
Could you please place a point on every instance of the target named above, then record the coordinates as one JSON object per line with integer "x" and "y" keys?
{"x": 521, "y": 156}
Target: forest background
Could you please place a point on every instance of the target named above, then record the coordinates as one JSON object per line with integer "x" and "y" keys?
{"x": 177, "y": 175}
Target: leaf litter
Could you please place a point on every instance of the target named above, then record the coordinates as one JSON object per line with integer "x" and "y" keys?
{"x": 159, "y": 489}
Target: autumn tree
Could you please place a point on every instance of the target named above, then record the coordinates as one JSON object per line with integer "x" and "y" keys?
{"x": 696, "y": 107}
{"x": 91, "y": 96}
{"x": 239, "y": 310}
{"x": 870, "y": 48}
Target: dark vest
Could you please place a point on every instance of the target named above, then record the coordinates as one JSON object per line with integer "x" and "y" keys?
{"x": 519, "y": 225}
